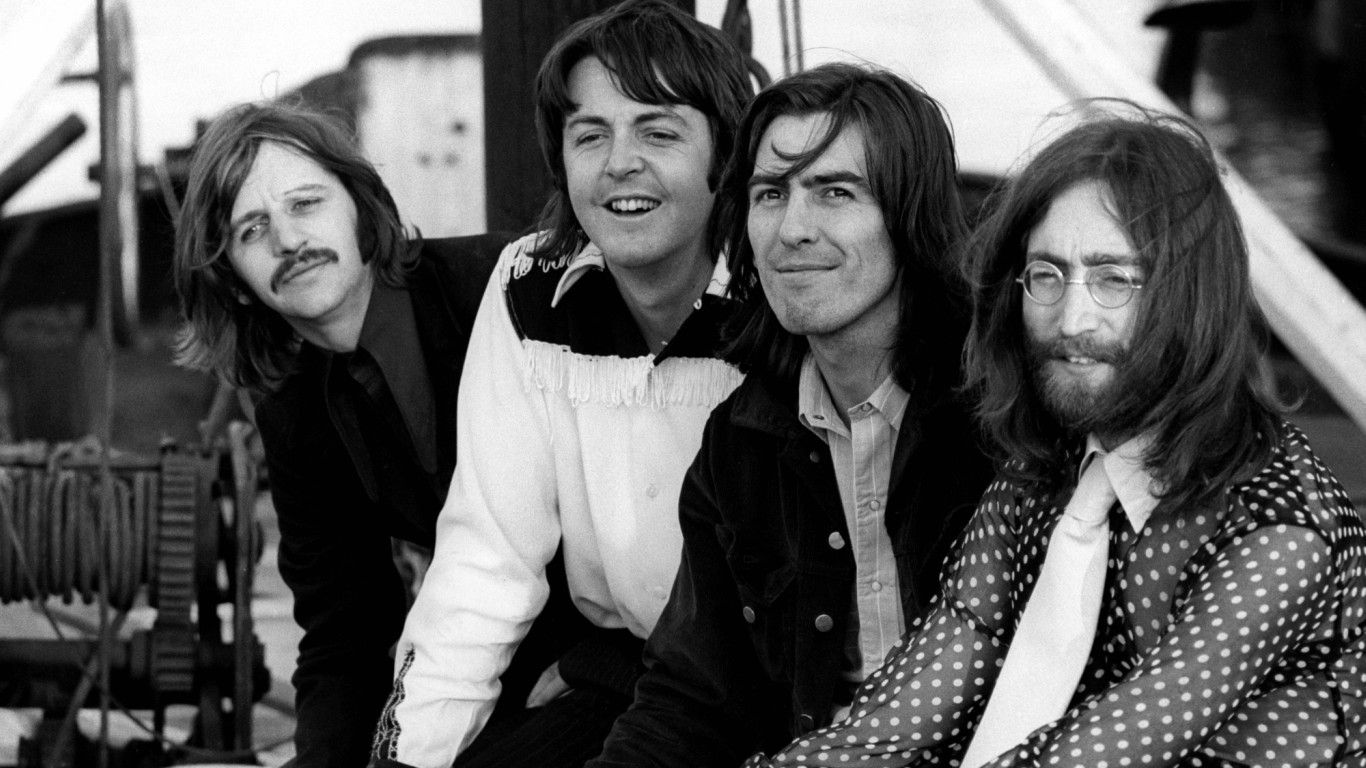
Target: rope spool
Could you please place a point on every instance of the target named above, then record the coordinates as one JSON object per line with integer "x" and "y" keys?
{"x": 50, "y": 533}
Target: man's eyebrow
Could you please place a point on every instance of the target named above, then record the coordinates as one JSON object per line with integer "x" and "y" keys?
{"x": 258, "y": 212}
{"x": 834, "y": 177}
{"x": 1092, "y": 259}
{"x": 575, "y": 120}
{"x": 1119, "y": 259}
{"x": 813, "y": 180}
{"x": 662, "y": 113}
{"x": 764, "y": 179}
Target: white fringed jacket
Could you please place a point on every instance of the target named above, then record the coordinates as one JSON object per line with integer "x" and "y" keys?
{"x": 568, "y": 428}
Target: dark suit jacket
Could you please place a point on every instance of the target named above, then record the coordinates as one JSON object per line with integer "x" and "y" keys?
{"x": 749, "y": 650}
{"x": 334, "y": 538}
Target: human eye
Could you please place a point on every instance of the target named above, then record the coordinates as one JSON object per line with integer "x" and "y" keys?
{"x": 304, "y": 204}
{"x": 1112, "y": 278}
{"x": 251, "y": 231}
{"x": 764, "y": 194}
{"x": 837, "y": 194}
{"x": 1043, "y": 275}
{"x": 585, "y": 138}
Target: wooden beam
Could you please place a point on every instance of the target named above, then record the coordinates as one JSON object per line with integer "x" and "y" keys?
{"x": 37, "y": 44}
{"x": 1311, "y": 312}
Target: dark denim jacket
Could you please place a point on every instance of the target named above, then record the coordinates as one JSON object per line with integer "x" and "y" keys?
{"x": 749, "y": 650}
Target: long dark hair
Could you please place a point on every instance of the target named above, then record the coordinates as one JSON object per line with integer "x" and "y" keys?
{"x": 227, "y": 330}
{"x": 909, "y": 157}
{"x": 1197, "y": 379}
{"x": 657, "y": 54}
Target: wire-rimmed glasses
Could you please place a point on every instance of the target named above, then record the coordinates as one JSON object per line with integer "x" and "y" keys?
{"x": 1109, "y": 285}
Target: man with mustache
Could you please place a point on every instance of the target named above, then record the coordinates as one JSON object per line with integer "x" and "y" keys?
{"x": 298, "y": 282}
{"x": 829, "y": 486}
{"x": 1163, "y": 573}
{"x": 592, "y": 367}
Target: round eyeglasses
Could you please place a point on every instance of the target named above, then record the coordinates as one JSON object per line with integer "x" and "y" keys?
{"x": 1109, "y": 285}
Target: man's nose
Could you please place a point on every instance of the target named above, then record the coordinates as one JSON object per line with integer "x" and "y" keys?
{"x": 1079, "y": 312}
{"x": 797, "y": 226}
{"x": 624, "y": 157}
{"x": 289, "y": 238}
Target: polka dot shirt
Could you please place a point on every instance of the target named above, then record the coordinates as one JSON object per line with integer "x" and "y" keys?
{"x": 1229, "y": 636}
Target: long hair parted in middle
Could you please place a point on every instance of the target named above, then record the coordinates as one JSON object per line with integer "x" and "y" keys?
{"x": 912, "y": 169}
{"x": 1196, "y": 379}
{"x": 657, "y": 54}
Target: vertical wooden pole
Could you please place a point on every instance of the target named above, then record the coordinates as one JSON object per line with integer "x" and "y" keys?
{"x": 516, "y": 36}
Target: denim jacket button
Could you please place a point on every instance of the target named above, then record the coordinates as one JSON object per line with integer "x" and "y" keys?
{"x": 748, "y": 613}
{"x": 807, "y": 722}
{"x": 836, "y": 540}
{"x": 815, "y": 457}
{"x": 824, "y": 623}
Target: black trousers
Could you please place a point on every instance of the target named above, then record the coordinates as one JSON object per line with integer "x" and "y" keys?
{"x": 601, "y": 671}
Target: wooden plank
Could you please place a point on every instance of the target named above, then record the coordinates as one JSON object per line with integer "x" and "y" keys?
{"x": 1311, "y": 312}
{"x": 37, "y": 45}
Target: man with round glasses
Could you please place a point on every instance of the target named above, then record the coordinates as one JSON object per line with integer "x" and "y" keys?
{"x": 1163, "y": 572}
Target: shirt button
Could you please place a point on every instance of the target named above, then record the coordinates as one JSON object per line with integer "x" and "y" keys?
{"x": 877, "y": 586}
{"x": 652, "y": 491}
{"x": 866, "y": 407}
{"x": 748, "y": 613}
{"x": 697, "y": 304}
{"x": 815, "y": 458}
{"x": 824, "y": 623}
{"x": 875, "y": 505}
{"x": 836, "y": 540}
{"x": 661, "y": 593}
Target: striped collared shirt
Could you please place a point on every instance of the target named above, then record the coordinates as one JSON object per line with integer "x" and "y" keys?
{"x": 861, "y": 453}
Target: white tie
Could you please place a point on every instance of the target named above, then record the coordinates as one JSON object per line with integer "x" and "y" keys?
{"x": 1054, "y": 637}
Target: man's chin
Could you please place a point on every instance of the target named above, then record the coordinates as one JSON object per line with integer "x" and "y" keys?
{"x": 1078, "y": 404}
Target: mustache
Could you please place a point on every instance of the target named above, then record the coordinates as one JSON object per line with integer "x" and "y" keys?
{"x": 288, "y": 263}
{"x": 1077, "y": 346}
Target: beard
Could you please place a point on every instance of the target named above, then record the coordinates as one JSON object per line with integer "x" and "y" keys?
{"x": 1078, "y": 405}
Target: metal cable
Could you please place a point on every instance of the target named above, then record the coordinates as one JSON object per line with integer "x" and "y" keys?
{"x": 54, "y": 515}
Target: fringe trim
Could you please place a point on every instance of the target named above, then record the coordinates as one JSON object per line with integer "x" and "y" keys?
{"x": 385, "y": 746}
{"x": 521, "y": 262}
{"x": 627, "y": 381}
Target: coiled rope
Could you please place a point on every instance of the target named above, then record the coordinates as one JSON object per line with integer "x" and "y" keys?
{"x": 50, "y": 533}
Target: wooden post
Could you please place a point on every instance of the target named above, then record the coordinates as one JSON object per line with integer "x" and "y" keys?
{"x": 516, "y": 36}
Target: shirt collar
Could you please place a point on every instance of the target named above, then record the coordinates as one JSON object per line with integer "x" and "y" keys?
{"x": 389, "y": 335}
{"x": 1134, "y": 486}
{"x": 590, "y": 257}
{"x": 818, "y": 412}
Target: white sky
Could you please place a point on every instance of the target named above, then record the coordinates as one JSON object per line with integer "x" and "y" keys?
{"x": 195, "y": 57}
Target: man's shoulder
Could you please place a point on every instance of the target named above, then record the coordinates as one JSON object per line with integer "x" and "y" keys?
{"x": 759, "y": 404}
{"x": 529, "y": 281}
{"x": 1295, "y": 487}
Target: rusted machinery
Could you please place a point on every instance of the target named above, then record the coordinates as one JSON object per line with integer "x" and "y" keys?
{"x": 175, "y": 532}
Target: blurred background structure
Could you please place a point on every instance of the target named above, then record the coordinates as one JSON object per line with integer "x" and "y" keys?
{"x": 438, "y": 92}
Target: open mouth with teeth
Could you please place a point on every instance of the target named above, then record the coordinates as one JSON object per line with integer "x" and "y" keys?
{"x": 631, "y": 205}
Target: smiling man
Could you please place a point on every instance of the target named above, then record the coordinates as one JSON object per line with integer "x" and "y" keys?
{"x": 1163, "y": 574}
{"x": 828, "y": 486}
{"x": 298, "y": 281}
{"x": 592, "y": 368}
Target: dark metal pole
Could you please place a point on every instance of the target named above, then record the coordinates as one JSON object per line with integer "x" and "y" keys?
{"x": 111, "y": 245}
